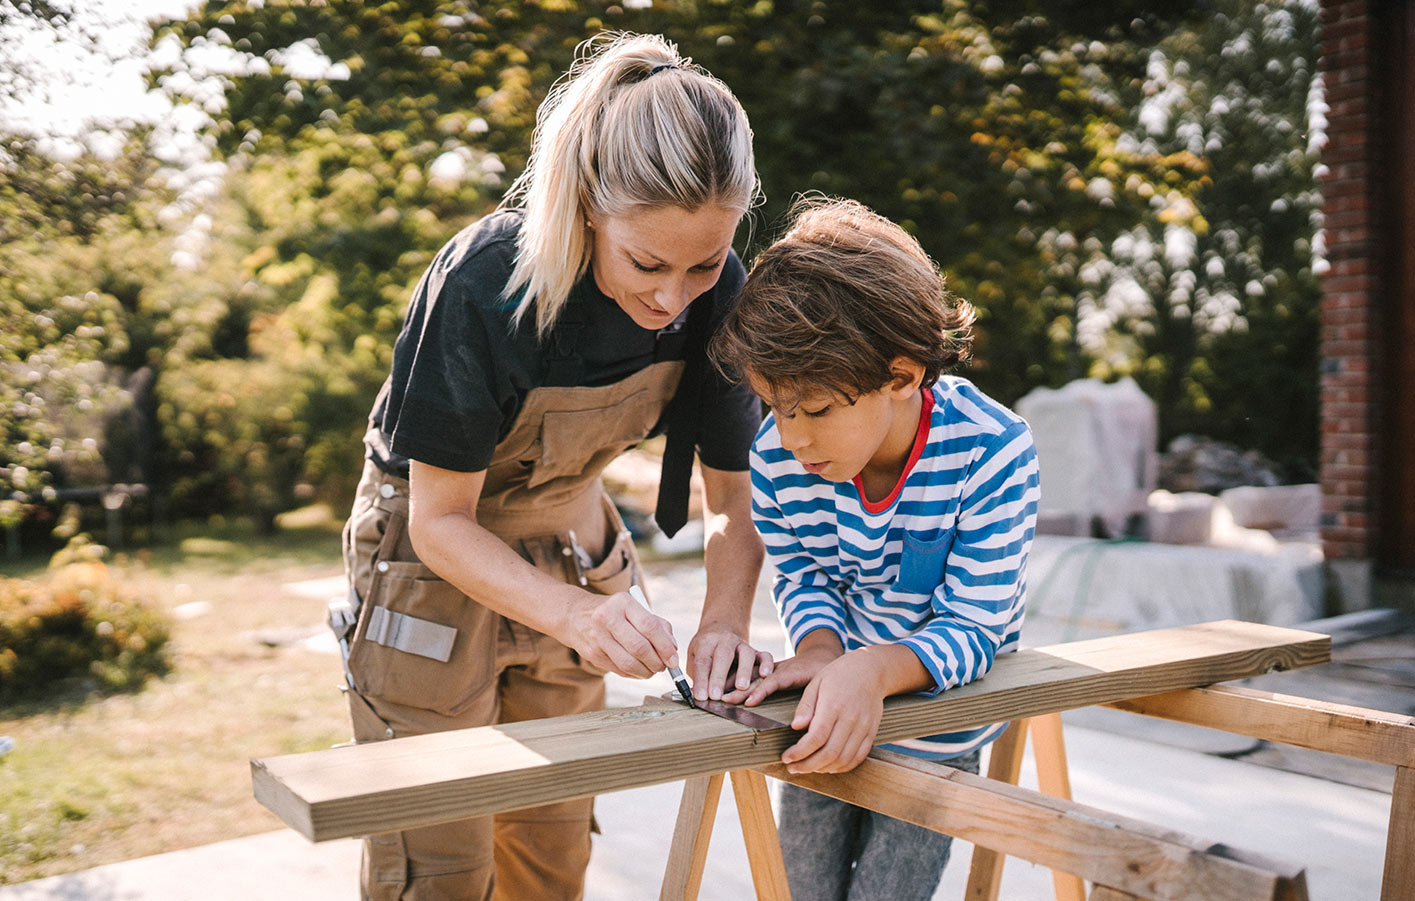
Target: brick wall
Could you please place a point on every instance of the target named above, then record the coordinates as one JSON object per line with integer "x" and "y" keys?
{"x": 1350, "y": 314}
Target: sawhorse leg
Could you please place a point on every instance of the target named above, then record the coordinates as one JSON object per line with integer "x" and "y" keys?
{"x": 688, "y": 854}
{"x": 1005, "y": 765}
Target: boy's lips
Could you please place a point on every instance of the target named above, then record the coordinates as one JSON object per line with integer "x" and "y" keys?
{"x": 814, "y": 468}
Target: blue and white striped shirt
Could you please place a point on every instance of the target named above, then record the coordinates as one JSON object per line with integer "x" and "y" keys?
{"x": 941, "y": 569}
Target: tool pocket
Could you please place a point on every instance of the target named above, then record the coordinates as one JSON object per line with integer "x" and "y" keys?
{"x": 619, "y": 568}
{"x": 922, "y": 564}
{"x": 422, "y": 643}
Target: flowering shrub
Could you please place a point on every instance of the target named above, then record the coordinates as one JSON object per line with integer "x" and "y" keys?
{"x": 78, "y": 621}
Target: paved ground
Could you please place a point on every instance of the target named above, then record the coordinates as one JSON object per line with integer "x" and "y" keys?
{"x": 1337, "y": 831}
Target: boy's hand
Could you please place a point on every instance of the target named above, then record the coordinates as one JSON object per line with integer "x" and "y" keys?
{"x": 818, "y": 649}
{"x": 717, "y": 654}
{"x": 840, "y": 711}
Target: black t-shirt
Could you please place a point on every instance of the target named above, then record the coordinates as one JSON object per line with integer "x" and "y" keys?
{"x": 461, "y": 371}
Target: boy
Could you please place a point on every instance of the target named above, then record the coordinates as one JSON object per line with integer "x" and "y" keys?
{"x": 898, "y": 508}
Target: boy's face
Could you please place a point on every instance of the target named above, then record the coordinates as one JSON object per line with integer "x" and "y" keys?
{"x": 836, "y": 439}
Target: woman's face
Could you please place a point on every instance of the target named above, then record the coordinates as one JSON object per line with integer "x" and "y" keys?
{"x": 655, "y": 260}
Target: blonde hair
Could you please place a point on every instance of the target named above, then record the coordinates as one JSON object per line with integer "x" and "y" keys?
{"x": 834, "y": 300}
{"x": 631, "y": 125}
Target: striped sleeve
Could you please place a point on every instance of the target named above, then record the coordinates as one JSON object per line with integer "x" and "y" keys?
{"x": 979, "y": 605}
{"x": 802, "y": 590}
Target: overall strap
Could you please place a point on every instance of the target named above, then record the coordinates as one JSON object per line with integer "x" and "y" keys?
{"x": 684, "y": 420}
{"x": 563, "y": 364}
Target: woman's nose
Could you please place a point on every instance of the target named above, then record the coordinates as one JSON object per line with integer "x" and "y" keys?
{"x": 672, "y": 295}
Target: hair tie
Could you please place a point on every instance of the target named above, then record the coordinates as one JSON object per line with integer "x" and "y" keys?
{"x": 659, "y": 68}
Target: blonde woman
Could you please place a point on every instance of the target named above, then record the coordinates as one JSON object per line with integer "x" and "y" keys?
{"x": 489, "y": 571}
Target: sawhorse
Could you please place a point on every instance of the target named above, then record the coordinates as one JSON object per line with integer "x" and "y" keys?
{"x": 698, "y": 809}
{"x": 893, "y": 784}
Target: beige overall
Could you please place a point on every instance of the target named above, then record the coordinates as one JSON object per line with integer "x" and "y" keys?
{"x": 412, "y": 674}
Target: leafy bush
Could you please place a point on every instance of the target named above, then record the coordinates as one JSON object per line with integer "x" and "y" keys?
{"x": 78, "y": 621}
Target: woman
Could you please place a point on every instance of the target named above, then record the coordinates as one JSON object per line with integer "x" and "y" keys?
{"x": 489, "y": 568}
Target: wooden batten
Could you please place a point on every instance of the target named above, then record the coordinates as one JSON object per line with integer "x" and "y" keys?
{"x": 1359, "y": 732}
{"x": 421, "y": 780}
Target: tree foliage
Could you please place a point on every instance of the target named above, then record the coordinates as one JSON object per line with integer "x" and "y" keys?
{"x": 1119, "y": 188}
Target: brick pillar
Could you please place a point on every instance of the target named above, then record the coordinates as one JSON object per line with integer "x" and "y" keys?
{"x": 1350, "y": 311}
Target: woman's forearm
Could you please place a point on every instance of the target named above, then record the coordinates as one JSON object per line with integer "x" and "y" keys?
{"x": 449, "y": 541}
{"x": 732, "y": 551}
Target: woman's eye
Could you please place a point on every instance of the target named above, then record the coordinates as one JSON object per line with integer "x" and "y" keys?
{"x": 642, "y": 268}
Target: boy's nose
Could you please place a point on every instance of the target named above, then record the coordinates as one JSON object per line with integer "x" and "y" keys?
{"x": 792, "y": 438}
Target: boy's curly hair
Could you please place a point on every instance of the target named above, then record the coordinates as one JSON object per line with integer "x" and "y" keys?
{"x": 834, "y": 300}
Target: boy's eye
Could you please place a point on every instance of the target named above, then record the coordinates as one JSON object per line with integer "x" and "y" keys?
{"x": 817, "y": 413}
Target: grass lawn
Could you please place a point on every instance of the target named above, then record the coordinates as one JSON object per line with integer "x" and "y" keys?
{"x": 95, "y": 779}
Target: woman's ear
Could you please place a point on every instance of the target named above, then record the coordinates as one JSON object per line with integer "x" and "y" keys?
{"x": 906, "y": 375}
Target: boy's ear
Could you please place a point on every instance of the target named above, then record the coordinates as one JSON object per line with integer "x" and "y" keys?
{"x": 906, "y": 375}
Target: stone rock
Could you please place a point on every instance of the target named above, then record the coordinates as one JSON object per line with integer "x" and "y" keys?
{"x": 1196, "y": 463}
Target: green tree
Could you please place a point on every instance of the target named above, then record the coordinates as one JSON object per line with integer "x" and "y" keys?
{"x": 1211, "y": 300}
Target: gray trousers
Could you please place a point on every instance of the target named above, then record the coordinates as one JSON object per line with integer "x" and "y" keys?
{"x": 836, "y": 851}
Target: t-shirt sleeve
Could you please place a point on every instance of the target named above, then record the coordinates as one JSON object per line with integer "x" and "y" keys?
{"x": 451, "y": 388}
{"x": 731, "y": 412}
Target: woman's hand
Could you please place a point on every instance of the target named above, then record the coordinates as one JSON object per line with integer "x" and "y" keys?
{"x": 718, "y": 654}
{"x": 617, "y": 633}
{"x": 840, "y": 711}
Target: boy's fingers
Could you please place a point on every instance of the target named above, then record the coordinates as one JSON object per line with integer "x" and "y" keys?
{"x": 806, "y": 707}
{"x": 765, "y": 664}
{"x": 761, "y": 690}
{"x": 816, "y": 735}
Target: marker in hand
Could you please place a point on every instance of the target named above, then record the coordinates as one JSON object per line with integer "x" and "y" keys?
{"x": 678, "y": 678}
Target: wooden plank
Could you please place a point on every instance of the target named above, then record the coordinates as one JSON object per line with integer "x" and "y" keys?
{"x": 1358, "y": 732}
{"x": 1004, "y": 765}
{"x": 1049, "y": 754}
{"x": 1122, "y": 853}
{"x": 426, "y": 779}
{"x": 687, "y": 856}
{"x": 759, "y": 832}
{"x": 1398, "y": 878}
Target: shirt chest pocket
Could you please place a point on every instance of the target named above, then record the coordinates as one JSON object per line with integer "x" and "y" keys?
{"x": 923, "y": 563}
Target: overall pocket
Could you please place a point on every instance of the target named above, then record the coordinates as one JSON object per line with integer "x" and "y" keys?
{"x": 922, "y": 564}
{"x": 619, "y": 568}
{"x": 422, "y": 643}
